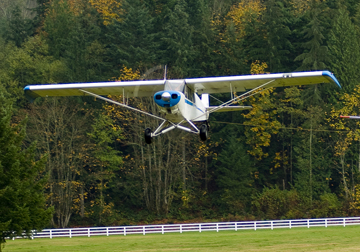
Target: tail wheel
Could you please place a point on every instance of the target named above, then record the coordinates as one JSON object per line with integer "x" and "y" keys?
{"x": 204, "y": 132}
{"x": 147, "y": 135}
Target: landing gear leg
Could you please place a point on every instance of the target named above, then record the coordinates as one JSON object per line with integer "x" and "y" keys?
{"x": 204, "y": 129}
{"x": 147, "y": 135}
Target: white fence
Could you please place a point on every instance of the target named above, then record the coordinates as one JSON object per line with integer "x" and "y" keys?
{"x": 195, "y": 227}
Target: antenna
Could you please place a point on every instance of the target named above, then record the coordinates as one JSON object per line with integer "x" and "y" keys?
{"x": 165, "y": 72}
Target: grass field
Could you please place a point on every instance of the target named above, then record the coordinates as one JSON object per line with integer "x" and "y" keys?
{"x": 296, "y": 239}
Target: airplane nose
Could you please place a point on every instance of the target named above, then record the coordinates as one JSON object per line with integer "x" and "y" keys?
{"x": 165, "y": 96}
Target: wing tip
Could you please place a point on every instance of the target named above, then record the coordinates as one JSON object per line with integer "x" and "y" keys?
{"x": 30, "y": 95}
{"x": 332, "y": 77}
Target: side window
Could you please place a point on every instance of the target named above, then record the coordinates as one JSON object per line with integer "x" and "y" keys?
{"x": 189, "y": 93}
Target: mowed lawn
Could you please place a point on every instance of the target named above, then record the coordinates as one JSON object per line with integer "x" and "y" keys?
{"x": 295, "y": 239}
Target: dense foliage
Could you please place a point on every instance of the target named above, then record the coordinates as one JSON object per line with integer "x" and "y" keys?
{"x": 22, "y": 200}
{"x": 289, "y": 157}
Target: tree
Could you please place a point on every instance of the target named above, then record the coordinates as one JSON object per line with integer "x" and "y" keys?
{"x": 346, "y": 150}
{"x": 18, "y": 29}
{"x": 30, "y": 63}
{"x": 235, "y": 176}
{"x": 312, "y": 160}
{"x": 107, "y": 160}
{"x": 315, "y": 56}
{"x": 262, "y": 115}
{"x": 60, "y": 126}
{"x": 22, "y": 207}
{"x": 73, "y": 35}
{"x": 131, "y": 39}
{"x": 278, "y": 47}
{"x": 177, "y": 40}
{"x": 344, "y": 51}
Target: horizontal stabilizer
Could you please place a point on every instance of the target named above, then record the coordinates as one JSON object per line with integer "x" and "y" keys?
{"x": 227, "y": 108}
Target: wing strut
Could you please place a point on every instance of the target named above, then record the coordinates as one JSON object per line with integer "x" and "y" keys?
{"x": 160, "y": 129}
{"x": 121, "y": 104}
{"x": 238, "y": 98}
{"x": 241, "y": 97}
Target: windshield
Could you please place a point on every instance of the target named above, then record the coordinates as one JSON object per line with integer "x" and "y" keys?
{"x": 175, "y": 85}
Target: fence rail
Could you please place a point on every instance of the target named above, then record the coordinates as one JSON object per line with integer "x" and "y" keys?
{"x": 194, "y": 227}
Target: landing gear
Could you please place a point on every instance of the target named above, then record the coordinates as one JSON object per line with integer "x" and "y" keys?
{"x": 147, "y": 135}
{"x": 204, "y": 129}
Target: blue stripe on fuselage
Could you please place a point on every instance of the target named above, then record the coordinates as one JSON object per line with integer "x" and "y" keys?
{"x": 192, "y": 104}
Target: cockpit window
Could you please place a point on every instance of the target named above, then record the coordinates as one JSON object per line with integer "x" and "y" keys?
{"x": 189, "y": 93}
{"x": 179, "y": 85}
{"x": 174, "y": 85}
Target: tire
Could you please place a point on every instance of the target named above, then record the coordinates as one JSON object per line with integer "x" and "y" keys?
{"x": 203, "y": 132}
{"x": 147, "y": 135}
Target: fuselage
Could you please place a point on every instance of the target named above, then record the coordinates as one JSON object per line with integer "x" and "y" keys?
{"x": 177, "y": 107}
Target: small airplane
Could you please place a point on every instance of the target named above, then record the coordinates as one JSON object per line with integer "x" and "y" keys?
{"x": 183, "y": 100}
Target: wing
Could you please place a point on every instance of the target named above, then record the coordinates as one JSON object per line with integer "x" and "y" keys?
{"x": 247, "y": 82}
{"x": 128, "y": 88}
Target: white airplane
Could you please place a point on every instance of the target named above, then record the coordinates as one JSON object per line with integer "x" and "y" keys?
{"x": 183, "y": 100}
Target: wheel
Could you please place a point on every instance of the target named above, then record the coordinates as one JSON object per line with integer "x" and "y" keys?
{"x": 203, "y": 132}
{"x": 147, "y": 135}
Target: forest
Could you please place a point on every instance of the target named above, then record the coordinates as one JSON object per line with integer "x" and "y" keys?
{"x": 290, "y": 156}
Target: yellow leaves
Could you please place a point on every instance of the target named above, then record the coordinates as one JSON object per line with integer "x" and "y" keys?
{"x": 262, "y": 115}
{"x": 129, "y": 74}
{"x": 76, "y": 6}
{"x": 243, "y": 13}
{"x": 350, "y": 105}
{"x": 355, "y": 205}
{"x": 109, "y": 9}
{"x": 258, "y": 67}
{"x": 300, "y": 6}
{"x": 240, "y": 15}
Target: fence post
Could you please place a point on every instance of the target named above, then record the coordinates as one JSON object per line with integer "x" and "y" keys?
{"x": 180, "y": 229}
{"x": 308, "y": 223}
{"x": 326, "y": 223}
{"x": 235, "y": 226}
{"x": 199, "y": 228}
{"x": 255, "y": 225}
{"x": 88, "y": 232}
{"x": 107, "y": 231}
{"x": 162, "y": 229}
{"x": 50, "y": 234}
{"x": 290, "y": 224}
{"x": 217, "y": 227}
{"x": 124, "y": 231}
{"x": 344, "y": 222}
{"x": 272, "y": 225}
{"x": 143, "y": 230}
{"x": 70, "y": 233}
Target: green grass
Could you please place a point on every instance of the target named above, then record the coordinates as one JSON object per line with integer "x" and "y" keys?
{"x": 296, "y": 239}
